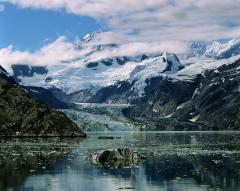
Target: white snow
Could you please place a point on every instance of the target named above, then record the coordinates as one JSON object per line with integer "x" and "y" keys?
{"x": 214, "y": 49}
{"x": 194, "y": 67}
{"x": 76, "y": 76}
{"x": 4, "y": 72}
{"x": 217, "y": 49}
{"x": 152, "y": 68}
{"x": 181, "y": 105}
{"x": 194, "y": 119}
{"x": 228, "y": 46}
{"x": 197, "y": 66}
{"x": 73, "y": 75}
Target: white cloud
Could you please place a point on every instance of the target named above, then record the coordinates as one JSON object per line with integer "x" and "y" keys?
{"x": 129, "y": 49}
{"x": 155, "y": 19}
{"x": 52, "y": 53}
{"x": 137, "y": 26}
{"x": 61, "y": 50}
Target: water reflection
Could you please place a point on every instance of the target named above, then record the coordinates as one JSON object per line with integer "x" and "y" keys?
{"x": 21, "y": 158}
{"x": 176, "y": 162}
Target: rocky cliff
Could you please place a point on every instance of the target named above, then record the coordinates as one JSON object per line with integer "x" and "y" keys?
{"x": 211, "y": 99}
{"x": 20, "y": 115}
{"x": 216, "y": 100}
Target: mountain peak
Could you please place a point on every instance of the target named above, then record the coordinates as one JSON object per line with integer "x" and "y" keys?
{"x": 215, "y": 49}
{"x": 91, "y": 36}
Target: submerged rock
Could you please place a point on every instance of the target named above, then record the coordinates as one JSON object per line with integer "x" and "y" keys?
{"x": 108, "y": 137}
{"x": 116, "y": 158}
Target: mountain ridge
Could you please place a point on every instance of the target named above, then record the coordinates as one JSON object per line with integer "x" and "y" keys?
{"x": 158, "y": 85}
{"x": 22, "y": 116}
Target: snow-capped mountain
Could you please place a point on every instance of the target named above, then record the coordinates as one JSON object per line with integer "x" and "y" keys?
{"x": 155, "y": 85}
{"x": 81, "y": 75}
{"x": 88, "y": 72}
{"x": 209, "y": 97}
{"x": 118, "y": 79}
{"x": 232, "y": 48}
{"x": 165, "y": 65}
{"x": 213, "y": 49}
{"x": 196, "y": 49}
{"x": 218, "y": 50}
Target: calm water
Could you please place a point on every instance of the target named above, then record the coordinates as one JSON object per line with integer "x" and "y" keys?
{"x": 194, "y": 161}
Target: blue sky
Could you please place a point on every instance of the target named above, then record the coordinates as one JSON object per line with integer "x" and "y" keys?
{"x": 29, "y": 29}
{"x": 44, "y": 32}
{"x": 29, "y": 24}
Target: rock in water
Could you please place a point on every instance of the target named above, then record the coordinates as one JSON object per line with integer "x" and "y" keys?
{"x": 20, "y": 115}
{"x": 116, "y": 158}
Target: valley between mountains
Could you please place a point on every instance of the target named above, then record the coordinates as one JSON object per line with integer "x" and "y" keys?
{"x": 155, "y": 91}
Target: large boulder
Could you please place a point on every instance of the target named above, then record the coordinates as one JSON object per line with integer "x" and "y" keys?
{"x": 116, "y": 158}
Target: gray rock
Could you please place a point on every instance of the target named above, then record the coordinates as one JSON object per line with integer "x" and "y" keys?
{"x": 217, "y": 103}
{"x": 211, "y": 101}
{"x": 116, "y": 158}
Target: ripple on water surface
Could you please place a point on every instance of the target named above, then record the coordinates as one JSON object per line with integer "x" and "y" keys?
{"x": 176, "y": 161}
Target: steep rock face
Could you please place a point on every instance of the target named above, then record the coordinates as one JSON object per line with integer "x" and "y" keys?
{"x": 167, "y": 94}
{"x": 47, "y": 96}
{"x": 20, "y": 115}
{"x": 216, "y": 101}
{"x": 164, "y": 95}
{"x": 117, "y": 93}
{"x": 211, "y": 99}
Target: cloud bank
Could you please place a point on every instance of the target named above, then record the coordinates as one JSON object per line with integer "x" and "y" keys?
{"x": 154, "y": 19}
{"x": 137, "y": 26}
{"x": 63, "y": 50}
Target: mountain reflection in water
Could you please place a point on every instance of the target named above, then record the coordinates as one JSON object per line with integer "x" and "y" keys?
{"x": 175, "y": 161}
